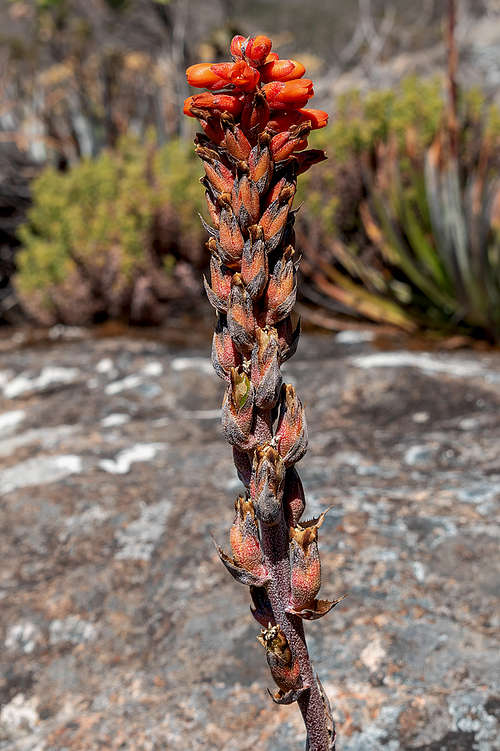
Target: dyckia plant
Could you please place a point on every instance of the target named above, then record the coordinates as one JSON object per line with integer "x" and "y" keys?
{"x": 253, "y": 147}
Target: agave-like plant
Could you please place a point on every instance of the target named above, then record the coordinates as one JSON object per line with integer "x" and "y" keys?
{"x": 436, "y": 227}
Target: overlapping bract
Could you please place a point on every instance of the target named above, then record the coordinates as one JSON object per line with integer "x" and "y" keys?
{"x": 253, "y": 146}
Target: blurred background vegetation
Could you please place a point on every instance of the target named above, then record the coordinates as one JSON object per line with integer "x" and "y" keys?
{"x": 99, "y": 193}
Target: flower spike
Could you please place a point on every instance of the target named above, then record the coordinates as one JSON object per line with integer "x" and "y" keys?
{"x": 256, "y": 124}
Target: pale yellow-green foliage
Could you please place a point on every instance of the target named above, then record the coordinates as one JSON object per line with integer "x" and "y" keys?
{"x": 106, "y": 206}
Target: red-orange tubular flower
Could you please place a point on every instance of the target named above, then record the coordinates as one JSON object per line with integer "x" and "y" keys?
{"x": 253, "y": 147}
{"x": 282, "y": 122}
{"x": 219, "y": 102}
{"x": 283, "y": 95}
{"x": 202, "y": 76}
{"x": 239, "y": 75}
{"x": 256, "y": 49}
{"x": 282, "y": 70}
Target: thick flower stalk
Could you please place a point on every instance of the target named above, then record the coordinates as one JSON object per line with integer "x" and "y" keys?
{"x": 253, "y": 146}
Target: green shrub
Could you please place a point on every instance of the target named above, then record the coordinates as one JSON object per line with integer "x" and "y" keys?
{"x": 107, "y": 238}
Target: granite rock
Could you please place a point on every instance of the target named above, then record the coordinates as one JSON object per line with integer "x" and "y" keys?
{"x": 120, "y": 628}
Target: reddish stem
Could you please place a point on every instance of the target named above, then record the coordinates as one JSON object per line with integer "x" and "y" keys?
{"x": 275, "y": 543}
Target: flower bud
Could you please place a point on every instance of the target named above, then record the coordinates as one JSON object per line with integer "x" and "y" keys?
{"x": 266, "y": 375}
{"x": 284, "y": 144}
{"x": 220, "y": 276}
{"x": 281, "y": 289}
{"x": 210, "y": 122}
{"x": 288, "y": 94}
{"x": 260, "y": 166}
{"x": 231, "y": 239}
{"x": 273, "y": 222}
{"x": 305, "y": 563}
{"x": 306, "y": 572}
{"x": 224, "y": 354}
{"x": 219, "y": 176}
{"x": 282, "y": 70}
{"x": 212, "y": 232}
{"x": 291, "y": 432}
{"x": 293, "y": 497}
{"x": 238, "y": 410}
{"x": 274, "y": 192}
{"x": 266, "y": 485}
{"x": 240, "y": 317}
{"x": 236, "y": 143}
{"x": 246, "y": 201}
{"x": 216, "y": 302}
{"x": 244, "y": 538}
{"x": 254, "y": 268}
{"x": 256, "y": 49}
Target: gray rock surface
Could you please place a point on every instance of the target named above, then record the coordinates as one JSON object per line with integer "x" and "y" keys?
{"x": 121, "y": 630}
